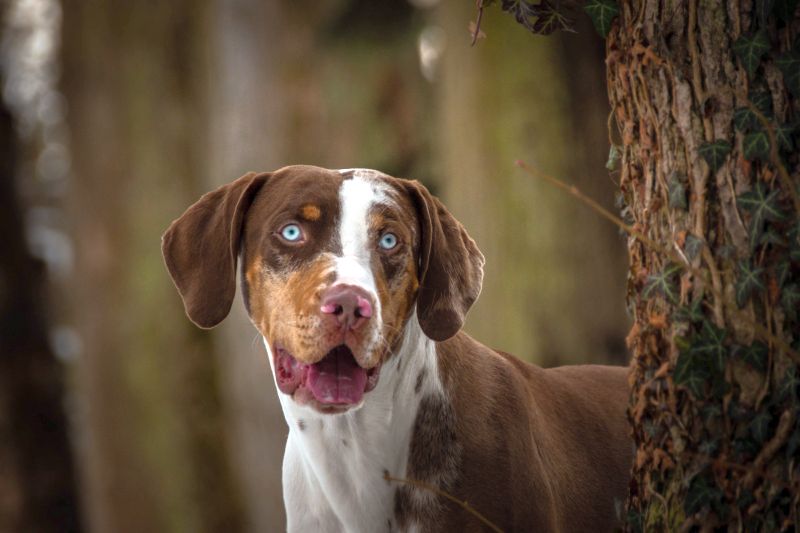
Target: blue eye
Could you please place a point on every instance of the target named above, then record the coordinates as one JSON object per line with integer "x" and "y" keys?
{"x": 292, "y": 232}
{"x": 388, "y": 241}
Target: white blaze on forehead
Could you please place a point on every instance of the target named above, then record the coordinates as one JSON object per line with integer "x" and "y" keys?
{"x": 357, "y": 196}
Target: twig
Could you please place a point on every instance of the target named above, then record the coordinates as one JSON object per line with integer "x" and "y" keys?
{"x": 762, "y": 332}
{"x": 439, "y": 492}
{"x": 477, "y": 30}
{"x": 774, "y": 157}
{"x": 599, "y": 209}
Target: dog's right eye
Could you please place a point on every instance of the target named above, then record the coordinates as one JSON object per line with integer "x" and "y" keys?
{"x": 291, "y": 233}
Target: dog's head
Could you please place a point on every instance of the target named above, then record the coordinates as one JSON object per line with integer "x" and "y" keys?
{"x": 333, "y": 263}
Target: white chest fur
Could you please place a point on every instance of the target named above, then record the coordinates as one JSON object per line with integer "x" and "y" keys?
{"x": 334, "y": 465}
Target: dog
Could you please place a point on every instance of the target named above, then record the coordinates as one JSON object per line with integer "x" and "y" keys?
{"x": 359, "y": 284}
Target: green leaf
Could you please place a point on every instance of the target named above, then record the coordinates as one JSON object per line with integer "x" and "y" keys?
{"x": 701, "y": 494}
{"x": 771, "y": 237}
{"x": 756, "y": 146}
{"x": 711, "y": 343}
{"x": 783, "y": 135}
{"x": 691, "y": 313}
{"x": 750, "y": 49}
{"x": 761, "y": 99}
{"x": 789, "y": 386}
{"x": 789, "y": 65}
{"x": 749, "y": 281}
{"x": 613, "y": 157}
{"x": 691, "y": 372}
{"x": 744, "y": 119}
{"x": 790, "y": 299}
{"x": 693, "y": 246}
{"x": 754, "y": 355}
{"x": 602, "y": 13}
{"x": 709, "y": 447}
{"x": 677, "y": 193}
{"x": 664, "y": 283}
{"x": 549, "y": 19}
{"x": 784, "y": 9}
{"x": 762, "y": 205}
{"x": 759, "y": 426}
{"x": 715, "y": 153}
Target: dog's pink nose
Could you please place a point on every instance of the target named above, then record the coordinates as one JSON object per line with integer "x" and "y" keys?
{"x": 350, "y": 306}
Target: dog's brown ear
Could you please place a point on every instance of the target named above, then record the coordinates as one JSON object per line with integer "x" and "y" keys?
{"x": 201, "y": 247}
{"x": 451, "y": 267}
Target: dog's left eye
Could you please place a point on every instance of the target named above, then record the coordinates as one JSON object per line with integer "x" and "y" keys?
{"x": 388, "y": 241}
{"x": 292, "y": 233}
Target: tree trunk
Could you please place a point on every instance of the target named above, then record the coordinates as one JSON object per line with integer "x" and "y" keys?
{"x": 553, "y": 274}
{"x": 714, "y": 254}
{"x": 154, "y": 453}
{"x": 37, "y": 482}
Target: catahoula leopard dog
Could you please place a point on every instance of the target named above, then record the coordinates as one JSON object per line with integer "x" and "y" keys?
{"x": 359, "y": 284}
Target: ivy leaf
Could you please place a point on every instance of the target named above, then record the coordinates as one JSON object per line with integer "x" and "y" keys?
{"x": 762, "y": 206}
{"x": 691, "y": 372}
{"x": 710, "y": 342}
{"x": 756, "y": 145}
{"x": 677, "y": 193}
{"x": 790, "y": 299}
{"x": 761, "y": 99}
{"x": 788, "y": 389}
{"x": 789, "y": 65}
{"x": 715, "y": 153}
{"x": 549, "y": 19}
{"x": 783, "y": 135}
{"x": 701, "y": 494}
{"x": 750, "y": 49}
{"x": 744, "y": 119}
{"x": 664, "y": 283}
{"x": 691, "y": 313}
{"x": 749, "y": 281}
{"x": 693, "y": 246}
{"x": 613, "y": 157}
{"x": 602, "y": 13}
{"x": 784, "y": 9}
{"x": 754, "y": 355}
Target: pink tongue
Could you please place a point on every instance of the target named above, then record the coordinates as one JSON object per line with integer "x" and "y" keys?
{"x": 337, "y": 378}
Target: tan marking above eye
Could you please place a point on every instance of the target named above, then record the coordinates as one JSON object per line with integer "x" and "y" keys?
{"x": 310, "y": 212}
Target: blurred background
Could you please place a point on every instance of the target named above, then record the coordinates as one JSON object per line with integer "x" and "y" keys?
{"x": 116, "y": 413}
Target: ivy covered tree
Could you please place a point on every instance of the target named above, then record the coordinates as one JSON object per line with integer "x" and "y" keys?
{"x": 705, "y": 97}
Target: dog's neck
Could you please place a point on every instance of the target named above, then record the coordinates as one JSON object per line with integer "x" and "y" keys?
{"x": 335, "y": 467}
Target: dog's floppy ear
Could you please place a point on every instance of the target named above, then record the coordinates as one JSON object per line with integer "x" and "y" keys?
{"x": 201, "y": 247}
{"x": 451, "y": 267}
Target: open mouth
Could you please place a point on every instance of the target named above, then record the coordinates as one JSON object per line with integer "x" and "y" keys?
{"x": 337, "y": 380}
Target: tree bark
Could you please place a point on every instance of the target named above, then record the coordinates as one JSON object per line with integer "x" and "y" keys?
{"x": 713, "y": 262}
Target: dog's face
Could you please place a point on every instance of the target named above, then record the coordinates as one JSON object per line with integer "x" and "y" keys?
{"x": 333, "y": 264}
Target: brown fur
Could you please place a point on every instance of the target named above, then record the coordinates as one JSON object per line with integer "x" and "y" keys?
{"x": 530, "y": 449}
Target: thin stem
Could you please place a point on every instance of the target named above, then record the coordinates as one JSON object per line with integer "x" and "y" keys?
{"x": 439, "y": 492}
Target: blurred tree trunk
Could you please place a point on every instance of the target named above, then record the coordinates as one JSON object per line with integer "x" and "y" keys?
{"x": 554, "y": 272}
{"x": 154, "y": 456}
{"x": 248, "y": 124}
{"x": 715, "y": 290}
{"x": 37, "y": 482}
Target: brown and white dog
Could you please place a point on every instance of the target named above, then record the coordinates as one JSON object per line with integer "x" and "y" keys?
{"x": 359, "y": 284}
